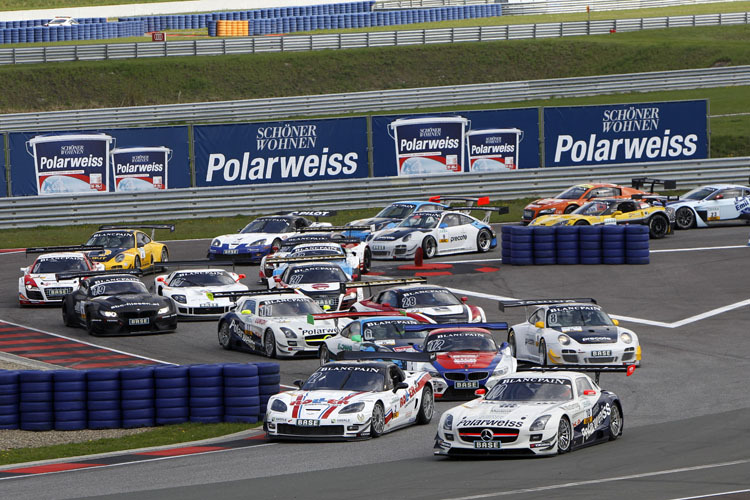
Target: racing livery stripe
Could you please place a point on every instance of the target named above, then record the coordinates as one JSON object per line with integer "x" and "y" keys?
{"x": 338, "y": 403}
{"x": 296, "y": 405}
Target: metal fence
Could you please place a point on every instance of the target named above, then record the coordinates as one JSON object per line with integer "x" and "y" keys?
{"x": 360, "y": 193}
{"x": 373, "y": 101}
{"x": 337, "y": 41}
{"x": 544, "y": 6}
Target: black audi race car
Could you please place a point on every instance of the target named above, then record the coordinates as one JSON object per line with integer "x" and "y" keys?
{"x": 118, "y": 304}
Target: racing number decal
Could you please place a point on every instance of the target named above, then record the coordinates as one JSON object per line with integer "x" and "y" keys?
{"x": 410, "y": 301}
{"x": 713, "y": 214}
{"x": 295, "y": 279}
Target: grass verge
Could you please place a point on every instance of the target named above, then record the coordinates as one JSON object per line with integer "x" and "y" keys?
{"x": 60, "y": 4}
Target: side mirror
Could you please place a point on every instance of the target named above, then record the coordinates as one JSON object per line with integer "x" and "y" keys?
{"x": 616, "y": 323}
{"x": 464, "y": 299}
{"x": 443, "y": 225}
{"x": 589, "y": 392}
{"x": 480, "y": 392}
{"x": 401, "y": 385}
{"x": 719, "y": 197}
{"x": 326, "y": 307}
{"x": 246, "y": 311}
{"x": 617, "y": 212}
{"x": 277, "y": 279}
{"x": 299, "y": 383}
{"x": 160, "y": 279}
{"x": 24, "y": 270}
{"x": 356, "y": 338}
{"x": 242, "y": 276}
{"x": 539, "y": 324}
{"x": 387, "y": 304}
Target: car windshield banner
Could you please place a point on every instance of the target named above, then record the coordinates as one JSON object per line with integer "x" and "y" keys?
{"x": 466, "y": 141}
{"x": 625, "y": 133}
{"x": 306, "y": 150}
{"x": 140, "y": 169}
{"x": 72, "y": 163}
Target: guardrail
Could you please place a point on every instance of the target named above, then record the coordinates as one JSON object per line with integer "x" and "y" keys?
{"x": 337, "y": 41}
{"x": 360, "y": 193}
{"x": 373, "y": 101}
{"x": 514, "y": 8}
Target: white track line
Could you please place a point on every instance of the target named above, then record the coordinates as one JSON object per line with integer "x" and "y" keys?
{"x": 723, "y": 493}
{"x": 695, "y": 249}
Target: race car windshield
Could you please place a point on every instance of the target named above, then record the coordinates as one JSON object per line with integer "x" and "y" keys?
{"x": 202, "y": 279}
{"x": 699, "y": 193}
{"x": 560, "y": 390}
{"x": 390, "y": 330}
{"x": 460, "y": 341}
{"x": 575, "y": 316}
{"x": 112, "y": 240}
{"x": 278, "y": 309}
{"x": 318, "y": 275}
{"x": 59, "y": 265}
{"x": 117, "y": 288}
{"x": 345, "y": 378}
{"x": 573, "y": 193}
{"x": 57, "y": 21}
{"x": 429, "y": 298}
{"x": 396, "y": 211}
{"x": 272, "y": 226}
{"x": 318, "y": 251}
{"x": 598, "y": 207}
{"x": 423, "y": 221}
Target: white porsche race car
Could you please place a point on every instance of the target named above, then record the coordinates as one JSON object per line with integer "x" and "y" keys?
{"x": 193, "y": 291}
{"x": 350, "y": 400}
{"x": 572, "y": 332}
{"x": 714, "y": 204}
{"x": 532, "y": 413}
{"x": 39, "y": 284}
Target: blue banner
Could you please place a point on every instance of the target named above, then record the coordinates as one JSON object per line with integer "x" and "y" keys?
{"x": 82, "y": 161}
{"x": 441, "y": 143}
{"x": 625, "y": 133}
{"x": 141, "y": 169}
{"x": 3, "y": 172}
{"x": 286, "y": 151}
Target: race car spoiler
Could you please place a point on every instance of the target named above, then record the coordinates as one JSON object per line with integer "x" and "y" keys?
{"x": 639, "y": 182}
{"x": 486, "y": 209}
{"x": 243, "y": 293}
{"x": 317, "y": 238}
{"x": 484, "y": 200}
{"x": 363, "y": 284}
{"x": 324, "y": 229}
{"x": 417, "y": 357}
{"x": 137, "y": 226}
{"x": 655, "y": 197}
{"x": 195, "y": 263}
{"x": 308, "y": 258}
{"x": 503, "y": 304}
{"x": 89, "y": 274}
{"x": 71, "y": 248}
{"x": 369, "y": 314}
{"x": 435, "y": 326}
{"x": 597, "y": 370}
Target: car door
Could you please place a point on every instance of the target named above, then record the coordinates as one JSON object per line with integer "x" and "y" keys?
{"x": 590, "y": 407}
{"x": 344, "y": 342}
{"x": 727, "y": 202}
{"x": 742, "y": 205}
{"x": 468, "y": 227}
{"x": 141, "y": 248}
{"x": 401, "y": 401}
{"x": 450, "y": 239}
{"x": 528, "y": 339}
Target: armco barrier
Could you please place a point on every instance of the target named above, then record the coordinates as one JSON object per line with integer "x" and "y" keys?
{"x": 136, "y": 397}
{"x": 601, "y": 244}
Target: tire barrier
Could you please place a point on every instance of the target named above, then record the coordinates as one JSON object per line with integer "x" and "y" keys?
{"x": 98, "y": 29}
{"x": 136, "y": 397}
{"x": 584, "y": 244}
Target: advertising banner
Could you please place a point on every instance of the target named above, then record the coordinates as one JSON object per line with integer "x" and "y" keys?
{"x": 305, "y": 150}
{"x": 83, "y": 161}
{"x": 463, "y": 141}
{"x": 625, "y": 133}
{"x": 3, "y": 171}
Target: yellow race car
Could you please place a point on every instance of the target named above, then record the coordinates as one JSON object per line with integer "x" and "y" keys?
{"x": 126, "y": 247}
{"x": 659, "y": 219}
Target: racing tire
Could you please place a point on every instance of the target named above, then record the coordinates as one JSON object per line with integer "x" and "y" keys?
{"x": 484, "y": 241}
{"x": 233, "y": 370}
{"x": 267, "y": 368}
{"x": 426, "y": 406}
{"x": 581, "y": 222}
{"x": 225, "y": 336}
{"x": 570, "y": 209}
{"x": 269, "y": 379}
{"x": 429, "y": 247}
{"x": 241, "y": 392}
{"x": 367, "y": 261}
{"x": 590, "y": 261}
{"x": 684, "y": 218}
{"x": 164, "y": 255}
{"x": 637, "y": 245}
{"x": 564, "y": 436}
{"x": 269, "y": 343}
{"x": 73, "y": 425}
{"x": 324, "y": 355}
{"x": 615, "y": 422}
{"x": 543, "y": 352}
{"x": 658, "y": 226}
{"x": 240, "y": 382}
{"x": 512, "y": 343}
{"x": 67, "y": 317}
{"x": 377, "y": 421}
{"x": 137, "y": 263}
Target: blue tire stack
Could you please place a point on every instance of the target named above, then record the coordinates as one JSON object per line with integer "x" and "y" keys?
{"x": 206, "y": 393}
{"x": 590, "y": 244}
{"x": 269, "y": 376}
{"x": 636, "y": 244}
{"x": 70, "y": 405}
{"x": 171, "y": 393}
{"x": 137, "y": 397}
{"x": 103, "y": 399}
{"x": 613, "y": 244}
{"x": 9, "y": 399}
{"x": 506, "y": 241}
{"x": 566, "y": 238}
{"x": 241, "y": 393}
{"x": 521, "y": 253}
{"x": 544, "y": 245}
{"x": 35, "y": 403}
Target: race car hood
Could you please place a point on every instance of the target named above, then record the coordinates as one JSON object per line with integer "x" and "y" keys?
{"x": 458, "y": 360}
{"x": 378, "y": 222}
{"x": 397, "y": 233}
{"x": 446, "y": 313}
{"x": 134, "y": 300}
{"x": 545, "y": 202}
{"x": 49, "y": 279}
{"x": 551, "y": 220}
{"x": 590, "y": 334}
{"x": 480, "y": 413}
{"x": 246, "y": 238}
{"x": 106, "y": 254}
{"x": 320, "y": 404}
{"x": 322, "y": 326}
{"x": 397, "y": 345}
{"x": 319, "y": 288}
{"x": 201, "y": 293}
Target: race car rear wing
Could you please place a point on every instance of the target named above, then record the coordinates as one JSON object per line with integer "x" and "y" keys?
{"x": 484, "y": 200}
{"x": 251, "y": 293}
{"x": 71, "y": 248}
{"x": 317, "y": 238}
{"x": 655, "y": 197}
{"x": 503, "y": 304}
{"x": 597, "y": 370}
{"x": 435, "y": 326}
{"x": 328, "y": 229}
{"x": 162, "y": 266}
{"x": 370, "y": 314}
{"x": 88, "y": 274}
{"x": 416, "y": 357}
{"x": 152, "y": 227}
{"x": 368, "y": 284}
{"x": 639, "y": 182}
{"x": 309, "y": 258}
{"x": 486, "y": 209}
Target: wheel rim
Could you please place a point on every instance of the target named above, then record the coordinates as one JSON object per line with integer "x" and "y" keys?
{"x": 428, "y": 405}
{"x": 615, "y": 423}
{"x": 323, "y": 356}
{"x": 224, "y": 335}
{"x": 164, "y": 255}
{"x": 378, "y": 419}
{"x": 484, "y": 240}
{"x": 684, "y": 217}
{"x": 430, "y": 245}
{"x": 543, "y": 352}
{"x": 658, "y": 226}
{"x": 137, "y": 263}
{"x": 512, "y": 343}
{"x": 563, "y": 435}
{"x": 268, "y": 344}
{"x": 367, "y": 263}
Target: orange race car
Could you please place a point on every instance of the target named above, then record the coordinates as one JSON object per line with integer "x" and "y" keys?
{"x": 575, "y": 196}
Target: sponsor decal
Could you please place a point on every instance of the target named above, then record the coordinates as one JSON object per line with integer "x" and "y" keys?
{"x": 140, "y": 169}
{"x": 489, "y": 422}
{"x": 493, "y": 150}
{"x": 460, "y": 237}
{"x": 742, "y": 205}
{"x": 348, "y": 368}
{"x": 595, "y": 422}
{"x": 429, "y": 145}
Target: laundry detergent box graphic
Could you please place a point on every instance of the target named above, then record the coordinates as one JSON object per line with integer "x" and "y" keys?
{"x": 70, "y": 163}
{"x": 141, "y": 168}
{"x": 431, "y": 145}
{"x": 493, "y": 150}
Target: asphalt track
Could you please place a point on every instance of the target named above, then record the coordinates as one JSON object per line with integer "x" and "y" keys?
{"x": 687, "y": 429}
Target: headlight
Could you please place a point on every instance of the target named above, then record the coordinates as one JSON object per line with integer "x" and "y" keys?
{"x": 547, "y": 211}
{"x": 369, "y": 237}
{"x": 500, "y": 371}
{"x": 120, "y": 257}
{"x": 109, "y": 314}
{"x": 353, "y": 408}
{"x": 261, "y": 241}
{"x": 563, "y": 339}
{"x": 562, "y": 223}
{"x": 539, "y": 423}
{"x": 216, "y": 243}
{"x": 432, "y": 371}
{"x": 163, "y": 310}
{"x": 626, "y": 337}
{"x": 448, "y": 422}
{"x": 406, "y": 238}
{"x": 179, "y": 298}
{"x": 278, "y": 405}
{"x": 288, "y": 333}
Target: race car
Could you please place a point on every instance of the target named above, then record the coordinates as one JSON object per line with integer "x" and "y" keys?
{"x": 61, "y": 21}
{"x": 192, "y": 290}
{"x": 570, "y": 332}
{"x": 39, "y": 284}
{"x": 576, "y": 196}
{"x": 350, "y": 400}
{"x": 274, "y": 323}
{"x": 714, "y": 204}
{"x": 436, "y": 233}
{"x": 126, "y": 247}
{"x": 467, "y": 358}
{"x": 532, "y": 413}
{"x": 433, "y": 301}
{"x": 305, "y": 249}
{"x": 660, "y": 220}
{"x": 262, "y": 235}
{"x": 117, "y": 304}
{"x": 324, "y": 282}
